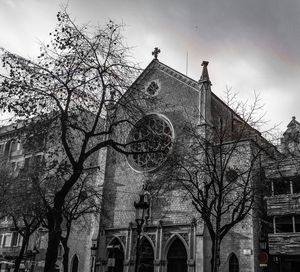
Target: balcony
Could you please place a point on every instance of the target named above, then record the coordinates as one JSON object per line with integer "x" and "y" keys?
{"x": 284, "y": 243}
{"x": 283, "y": 204}
{"x": 10, "y": 252}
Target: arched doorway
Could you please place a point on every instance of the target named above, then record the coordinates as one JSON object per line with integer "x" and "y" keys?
{"x": 146, "y": 256}
{"x": 177, "y": 257}
{"x": 75, "y": 263}
{"x": 233, "y": 263}
{"x": 115, "y": 256}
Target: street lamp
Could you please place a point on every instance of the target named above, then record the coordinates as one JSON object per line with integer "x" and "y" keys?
{"x": 94, "y": 249}
{"x": 141, "y": 207}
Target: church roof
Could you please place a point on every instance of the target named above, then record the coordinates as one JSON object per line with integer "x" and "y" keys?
{"x": 155, "y": 63}
{"x": 293, "y": 123}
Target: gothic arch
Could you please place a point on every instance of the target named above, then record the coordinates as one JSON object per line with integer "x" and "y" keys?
{"x": 171, "y": 240}
{"x": 233, "y": 263}
{"x": 113, "y": 239}
{"x": 116, "y": 251}
{"x": 147, "y": 257}
{"x": 177, "y": 256}
{"x": 75, "y": 263}
{"x": 145, "y": 236}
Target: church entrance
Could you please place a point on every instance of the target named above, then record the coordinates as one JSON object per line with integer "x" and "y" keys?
{"x": 177, "y": 257}
{"x": 115, "y": 256}
{"x": 146, "y": 257}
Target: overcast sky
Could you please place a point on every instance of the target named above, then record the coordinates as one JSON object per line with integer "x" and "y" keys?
{"x": 250, "y": 44}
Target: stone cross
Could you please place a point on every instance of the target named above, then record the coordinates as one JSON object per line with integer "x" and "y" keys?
{"x": 156, "y": 52}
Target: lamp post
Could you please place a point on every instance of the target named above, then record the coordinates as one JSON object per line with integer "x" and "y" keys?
{"x": 141, "y": 207}
{"x": 94, "y": 249}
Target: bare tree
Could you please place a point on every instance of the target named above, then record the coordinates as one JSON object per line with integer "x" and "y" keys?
{"x": 77, "y": 84}
{"x": 218, "y": 166}
{"x": 82, "y": 205}
{"x": 21, "y": 204}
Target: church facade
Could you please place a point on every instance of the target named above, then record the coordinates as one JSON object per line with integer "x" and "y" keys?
{"x": 174, "y": 237}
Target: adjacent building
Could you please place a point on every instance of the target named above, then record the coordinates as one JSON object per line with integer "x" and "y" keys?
{"x": 283, "y": 205}
{"x": 15, "y": 153}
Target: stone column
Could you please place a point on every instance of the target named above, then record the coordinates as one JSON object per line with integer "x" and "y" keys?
{"x": 192, "y": 246}
{"x": 158, "y": 249}
{"x": 127, "y": 258}
{"x": 199, "y": 249}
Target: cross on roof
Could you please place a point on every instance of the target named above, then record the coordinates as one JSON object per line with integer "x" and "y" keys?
{"x": 156, "y": 52}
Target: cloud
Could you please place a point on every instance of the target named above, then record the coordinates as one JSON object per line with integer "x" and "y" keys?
{"x": 10, "y": 3}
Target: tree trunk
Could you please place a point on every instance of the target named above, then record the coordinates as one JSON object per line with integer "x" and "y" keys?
{"x": 55, "y": 218}
{"x": 54, "y": 221}
{"x": 64, "y": 242}
{"x": 21, "y": 253}
{"x": 215, "y": 254}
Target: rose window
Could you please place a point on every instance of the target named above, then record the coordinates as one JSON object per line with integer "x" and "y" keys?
{"x": 151, "y": 139}
{"x": 152, "y": 88}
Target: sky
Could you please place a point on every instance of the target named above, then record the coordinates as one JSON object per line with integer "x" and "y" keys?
{"x": 252, "y": 45}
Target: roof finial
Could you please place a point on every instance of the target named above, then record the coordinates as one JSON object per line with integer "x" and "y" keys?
{"x": 155, "y": 52}
{"x": 204, "y": 76}
{"x": 294, "y": 118}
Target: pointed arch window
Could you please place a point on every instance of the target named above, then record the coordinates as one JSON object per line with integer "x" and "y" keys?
{"x": 177, "y": 257}
{"x": 75, "y": 263}
{"x": 146, "y": 263}
{"x": 233, "y": 263}
{"x": 116, "y": 253}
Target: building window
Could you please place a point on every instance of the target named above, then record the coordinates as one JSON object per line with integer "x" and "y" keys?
{"x": 151, "y": 141}
{"x": 20, "y": 240}
{"x": 283, "y": 224}
{"x": 26, "y": 164}
{"x": 14, "y": 146}
{"x": 2, "y": 147}
{"x": 14, "y": 239}
{"x": 7, "y": 240}
{"x": 75, "y": 263}
{"x": 281, "y": 187}
{"x": 296, "y": 185}
{"x": 233, "y": 263}
{"x": 297, "y": 223}
{"x": 153, "y": 88}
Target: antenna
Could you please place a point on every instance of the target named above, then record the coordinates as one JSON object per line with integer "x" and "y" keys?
{"x": 186, "y": 63}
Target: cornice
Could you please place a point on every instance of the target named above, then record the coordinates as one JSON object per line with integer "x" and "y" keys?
{"x": 179, "y": 76}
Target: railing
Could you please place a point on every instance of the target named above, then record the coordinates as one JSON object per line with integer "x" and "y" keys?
{"x": 10, "y": 251}
{"x": 284, "y": 243}
{"x": 283, "y": 204}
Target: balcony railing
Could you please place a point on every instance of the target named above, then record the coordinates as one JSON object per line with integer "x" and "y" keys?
{"x": 284, "y": 243}
{"x": 283, "y": 204}
{"x": 10, "y": 251}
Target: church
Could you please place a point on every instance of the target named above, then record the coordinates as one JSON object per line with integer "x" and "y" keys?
{"x": 173, "y": 237}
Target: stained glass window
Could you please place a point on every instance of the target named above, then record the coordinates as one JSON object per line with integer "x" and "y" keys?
{"x": 151, "y": 140}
